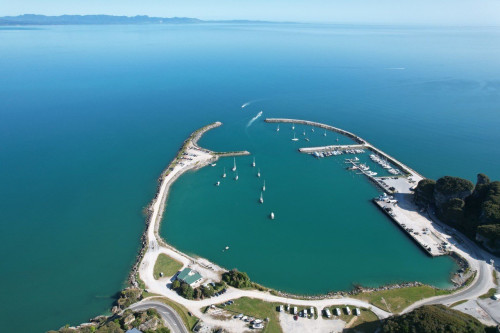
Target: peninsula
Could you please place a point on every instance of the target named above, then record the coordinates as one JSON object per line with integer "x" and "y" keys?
{"x": 223, "y": 295}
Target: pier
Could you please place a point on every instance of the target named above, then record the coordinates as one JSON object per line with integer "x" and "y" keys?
{"x": 400, "y": 208}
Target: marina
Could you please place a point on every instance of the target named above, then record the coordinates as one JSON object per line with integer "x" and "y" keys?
{"x": 398, "y": 207}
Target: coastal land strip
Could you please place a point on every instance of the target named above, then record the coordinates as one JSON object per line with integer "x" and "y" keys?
{"x": 192, "y": 157}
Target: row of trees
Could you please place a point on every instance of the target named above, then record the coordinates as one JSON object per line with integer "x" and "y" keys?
{"x": 475, "y": 210}
{"x": 201, "y": 292}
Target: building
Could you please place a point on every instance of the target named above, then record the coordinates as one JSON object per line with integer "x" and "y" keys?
{"x": 189, "y": 276}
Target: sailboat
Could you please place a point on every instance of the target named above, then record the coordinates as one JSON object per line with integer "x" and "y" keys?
{"x": 304, "y": 133}
{"x": 261, "y": 200}
{"x": 264, "y": 186}
{"x": 258, "y": 173}
{"x": 294, "y": 138}
{"x": 278, "y": 128}
{"x": 217, "y": 184}
{"x": 236, "y": 178}
{"x": 224, "y": 174}
{"x": 337, "y": 139}
{"x": 293, "y": 127}
{"x": 234, "y": 167}
{"x": 324, "y": 134}
{"x": 253, "y": 163}
{"x": 272, "y": 216}
{"x": 312, "y": 129}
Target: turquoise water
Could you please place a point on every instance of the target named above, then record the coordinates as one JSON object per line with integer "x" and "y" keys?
{"x": 90, "y": 116}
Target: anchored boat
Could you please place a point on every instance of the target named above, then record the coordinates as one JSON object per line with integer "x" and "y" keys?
{"x": 234, "y": 166}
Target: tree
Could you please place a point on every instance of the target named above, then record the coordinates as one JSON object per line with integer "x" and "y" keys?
{"x": 187, "y": 291}
{"x": 176, "y": 284}
{"x": 237, "y": 279}
{"x": 424, "y": 193}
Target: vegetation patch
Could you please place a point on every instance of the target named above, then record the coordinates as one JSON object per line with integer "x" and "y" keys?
{"x": 258, "y": 309}
{"x": 396, "y": 300}
{"x": 237, "y": 279}
{"x": 433, "y": 318}
{"x": 458, "y": 303}
{"x": 489, "y": 294}
{"x": 166, "y": 265}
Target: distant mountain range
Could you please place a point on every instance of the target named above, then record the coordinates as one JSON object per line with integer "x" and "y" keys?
{"x": 32, "y": 19}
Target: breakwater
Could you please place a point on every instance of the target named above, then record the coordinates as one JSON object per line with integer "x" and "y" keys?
{"x": 361, "y": 143}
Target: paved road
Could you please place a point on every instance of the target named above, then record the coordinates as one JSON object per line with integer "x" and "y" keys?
{"x": 169, "y": 315}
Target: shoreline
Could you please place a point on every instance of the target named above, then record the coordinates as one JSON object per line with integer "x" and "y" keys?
{"x": 153, "y": 245}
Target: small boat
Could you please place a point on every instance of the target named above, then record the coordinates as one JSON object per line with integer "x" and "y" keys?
{"x": 312, "y": 129}
{"x": 217, "y": 184}
{"x": 236, "y": 178}
{"x": 293, "y": 127}
{"x": 324, "y": 134}
{"x": 253, "y": 163}
{"x": 294, "y": 138}
{"x": 337, "y": 139}
{"x": 307, "y": 139}
{"x": 272, "y": 216}
{"x": 224, "y": 174}
{"x": 278, "y": 128}
{"x": 264, "y": 186}
{"x": 304, "y": 133}
{"x": 261, "y": 200}
{"x": 213, "y": 164}
{"x": 258, "y": 173}
{"x": 234, "y": 167}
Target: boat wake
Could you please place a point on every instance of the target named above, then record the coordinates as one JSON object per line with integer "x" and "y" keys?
{"x": 246, "y": 104}
{"x": 254, "y": 119}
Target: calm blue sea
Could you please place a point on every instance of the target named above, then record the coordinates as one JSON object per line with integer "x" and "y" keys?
{"x": 90, "y": 116}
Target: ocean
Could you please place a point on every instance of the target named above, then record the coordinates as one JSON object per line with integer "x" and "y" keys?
{"x": 91, "y": 115}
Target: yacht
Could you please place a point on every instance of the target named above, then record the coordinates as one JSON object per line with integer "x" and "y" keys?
{"x": 234, "y": 166}
{"x": 253, "y": 163}
{"x": 278, "y": 128}
{"x": 224, "y": 174}
{"x": 294, "y": 138}
{"x": 217, "y": 184}
{"x": 213, "y": 164}
{"x": 236, "y": 178}
{"x": 258, "y": 173}
{"x": 272, "y": 216}
{"x": 261, "y": 200}
{"x": 264, "y": 186}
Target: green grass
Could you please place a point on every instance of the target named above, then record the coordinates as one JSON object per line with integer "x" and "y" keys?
{"x": 166, "y": 265}
{"x": 188, "y": 320}
{"x": 367, "y": 321}
{"x": 258, "y": 309}
{"x": 395, "y": 300}
{"x": 458, "y": 303}
{"x": 489, "y": 294}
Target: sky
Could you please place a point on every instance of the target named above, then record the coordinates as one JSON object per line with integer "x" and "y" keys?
{"x": 420, "y": 12}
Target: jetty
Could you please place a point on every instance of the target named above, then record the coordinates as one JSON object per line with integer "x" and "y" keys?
{"x": 399, "y": 207}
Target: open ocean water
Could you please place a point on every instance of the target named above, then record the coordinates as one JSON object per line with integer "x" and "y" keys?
{"x": 91, "y": 115}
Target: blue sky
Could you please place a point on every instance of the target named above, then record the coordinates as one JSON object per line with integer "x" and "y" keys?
{"x": 432, "y": 12}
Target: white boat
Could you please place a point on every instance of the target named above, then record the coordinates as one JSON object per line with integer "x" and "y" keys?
{"x": 224, "y": 174}
{"x": 261, "y": 200}
{"x": 294, "y": 138}
{"x": 236, "y": 178}
{"x": 278, "y": 128}
{"x": 272, "y": 216}
{"x": 217, "y": 184}
{"x": 324, "y": 134}
{"x": 258, "y": 173}
{"x": 253, "y": 163}
{"x": 293, "y": 127}
{"x": 312, "y": 129}
{"x": 234, "y": 166}
{"x": 307, "y": 139}
{"x": 264, "y": 186}
{"x": 304, "y": 133}
{"x": 213, "y": 164}
{"x": 337, "y": 139}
